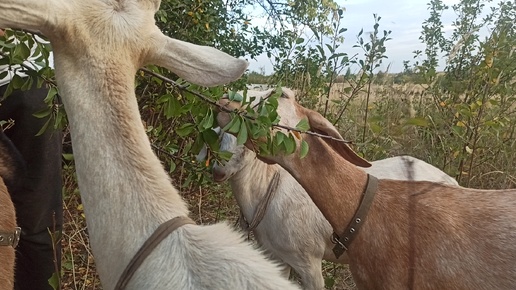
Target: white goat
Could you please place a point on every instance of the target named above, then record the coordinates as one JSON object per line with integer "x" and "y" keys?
{"x": 98, "y": 47}
{"x": 293, "y": 229}
{"x": 417, "y": 234}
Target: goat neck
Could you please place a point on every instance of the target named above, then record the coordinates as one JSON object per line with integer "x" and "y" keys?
{"x": 125, "y": 191}
{"x": 246, "y": 193}
{"x": 98, "y": 47}
{"x": 335, "y": 185}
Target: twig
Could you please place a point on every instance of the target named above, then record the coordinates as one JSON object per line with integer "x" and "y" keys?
{"x": 161, "y": 150}
{"x": 54, "y": 250}
{"x": 312, "y": 133}
{"x": 241, "y": 113}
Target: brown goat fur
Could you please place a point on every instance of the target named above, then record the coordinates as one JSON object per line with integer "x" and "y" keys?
{"x": 7, "y": 224}
{"x": 12, "y": 167}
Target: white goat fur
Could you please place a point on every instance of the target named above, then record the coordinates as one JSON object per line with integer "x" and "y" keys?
{"x": 293, "y": 229}
{"x": 417, "y": 235}
{"x": 98, "y": 47}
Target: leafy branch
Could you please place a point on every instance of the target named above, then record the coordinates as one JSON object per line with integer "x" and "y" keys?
{"x": 241, "y": 113}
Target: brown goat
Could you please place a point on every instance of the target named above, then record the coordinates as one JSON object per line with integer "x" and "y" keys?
{"x": 416, "y": 235}
{"x": 7, "y": 225}
{"x": 11, "y": 167}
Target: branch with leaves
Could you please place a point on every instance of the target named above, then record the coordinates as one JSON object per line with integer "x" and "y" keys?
{"x": 302, "y": 127}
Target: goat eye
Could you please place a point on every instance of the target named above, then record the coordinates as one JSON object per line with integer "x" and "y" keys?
{"x": 284, "y": 96}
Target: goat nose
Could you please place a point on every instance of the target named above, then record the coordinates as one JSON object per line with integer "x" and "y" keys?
{"x": 218, "y": 174}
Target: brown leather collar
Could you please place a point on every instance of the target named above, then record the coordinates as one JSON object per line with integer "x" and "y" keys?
{"x": 10, "y": 238}
{"x": 343, "y": 240}
{"x": 159, "y": 234}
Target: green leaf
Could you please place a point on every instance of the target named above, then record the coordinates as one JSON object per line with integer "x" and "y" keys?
{"x": 211, "y": 138}
{"x": 43, "y": 113}
{"x": 234, "y": 96}
{"x": 185, "y": 129}
{"x": 329, "y": 282}
{"x": 207, "y": 121}
{"x": 242, "y": 134}
{"x": 67, "y": 265}
{"x": 27, "y": 84}
{"x": 8, "y": 91}
{"x": 164, "y": 98}
{"x": 68, "y": 156}
{"x": 186, "y": 108}
{"x": 234, "y": 125}
{"x": 225, "y": 155}
{"x": 196, "y": 146}
{"x": 279, "y": 137}
{"x": 303, "y": 125}
{"x": 421, "y": 122}
{"x": 44, "y": 128}
{"x": 494, "y": 102}
{"x": 172, "y": 167}
{"x": 17, "y": 81}
{"x": 290, "y": 144}
{"x": 21, "y": 52}
{"x": 304, "y": 149}
{"x": 50, "y": 94}
{"x": 458, "y": 130}
{"x": 54, "y": 281}
{"x": 172, "y": 107}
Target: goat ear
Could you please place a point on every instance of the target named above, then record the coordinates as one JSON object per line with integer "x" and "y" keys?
{"x": 320, "y": 125}
{"x": 202, "y": 65}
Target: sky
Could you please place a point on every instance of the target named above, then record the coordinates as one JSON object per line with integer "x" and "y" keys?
{"x": 403, "y": 17}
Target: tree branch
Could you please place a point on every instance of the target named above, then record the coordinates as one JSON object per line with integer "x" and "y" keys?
{"x": 241, "y": 113}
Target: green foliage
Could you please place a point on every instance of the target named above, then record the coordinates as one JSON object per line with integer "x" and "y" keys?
{"x": 258, "y": 78}
{"x": 15, "y": 49}
{"x": 222, "y": 24}
{"x": 474, "y": 96}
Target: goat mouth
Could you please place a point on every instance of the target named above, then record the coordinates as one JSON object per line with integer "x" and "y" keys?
{"x": 219, "y": 177}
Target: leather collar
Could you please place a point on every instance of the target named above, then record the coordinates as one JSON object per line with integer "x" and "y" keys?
{"x": 10, "y": 238}
{"x": 263, "y": 205}
{"x": 343, "y": 240}
{"x": 159, "y": 234}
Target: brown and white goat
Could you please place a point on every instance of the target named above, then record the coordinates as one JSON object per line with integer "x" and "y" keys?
{"x": 301, "y": 238}
{"x": 417, "y": 234}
